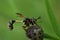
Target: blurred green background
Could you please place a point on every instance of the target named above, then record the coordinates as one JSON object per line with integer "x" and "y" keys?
{"x": 49, "y": 10}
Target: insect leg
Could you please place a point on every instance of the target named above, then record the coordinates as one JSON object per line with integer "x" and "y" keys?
{"x": 24, "y": 27}
{"x": 18, "y": 21}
